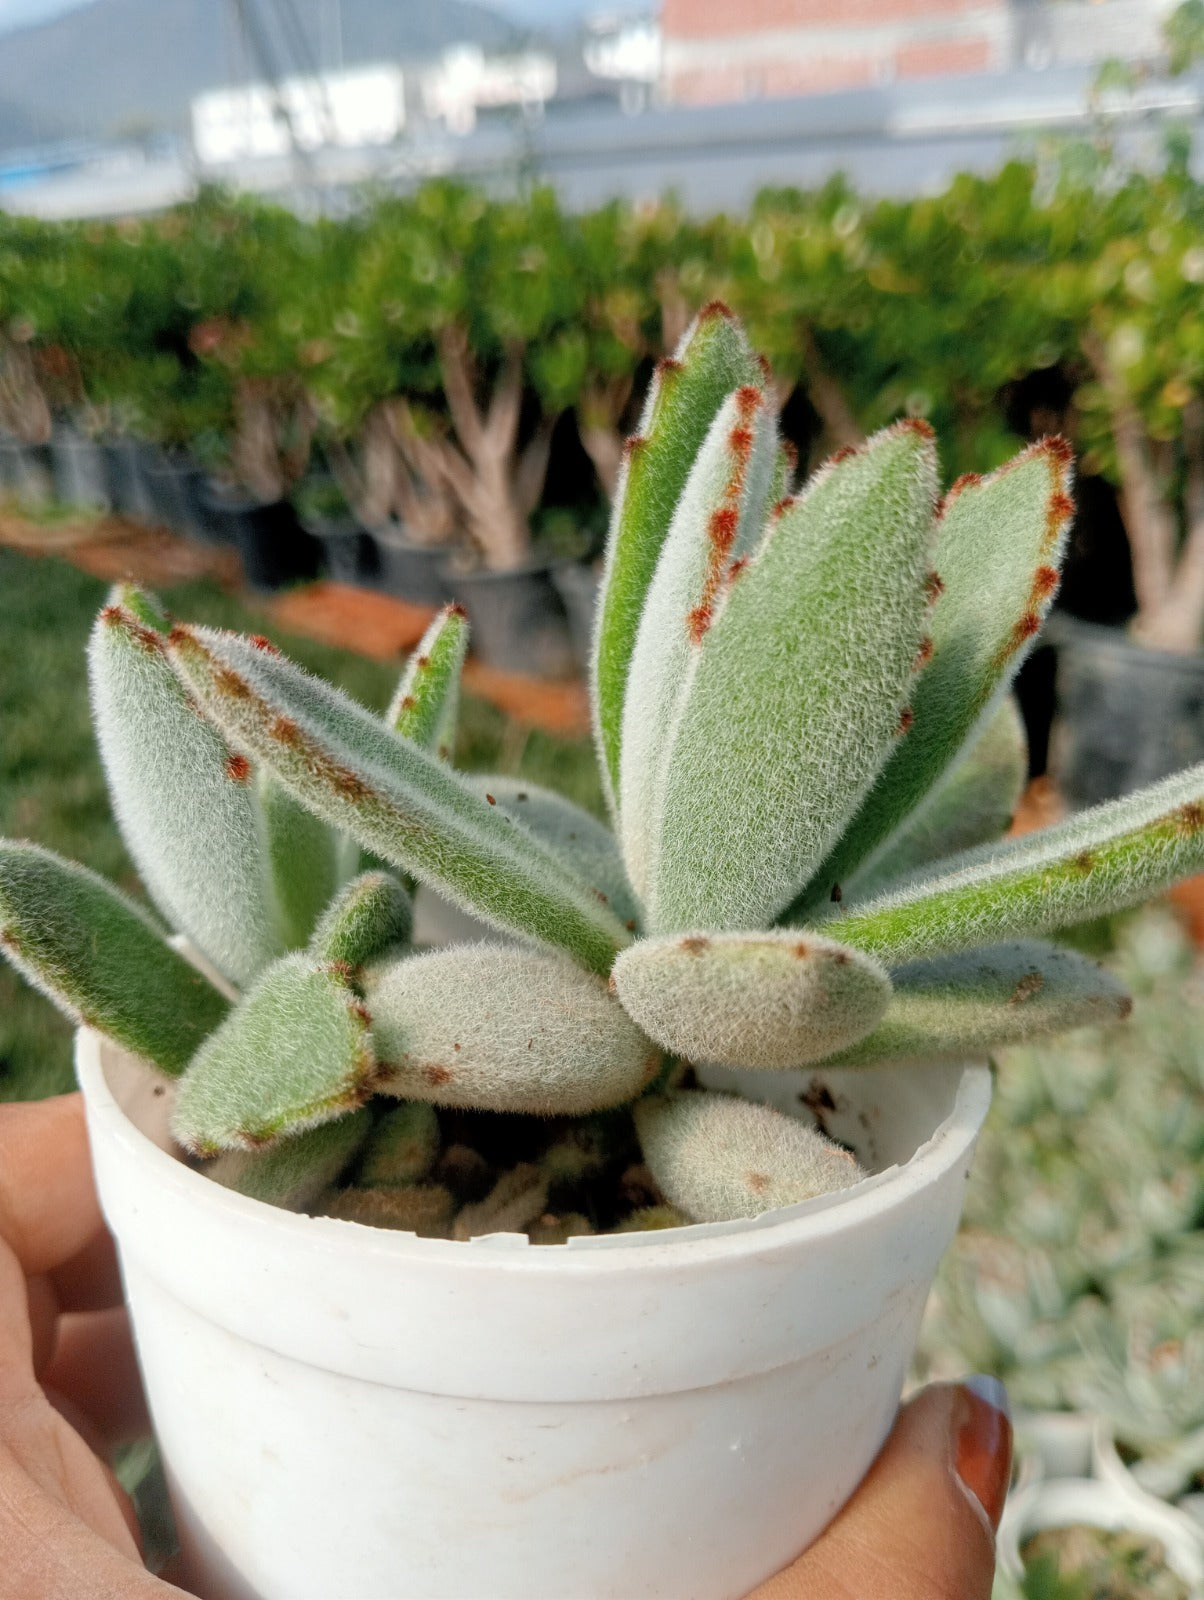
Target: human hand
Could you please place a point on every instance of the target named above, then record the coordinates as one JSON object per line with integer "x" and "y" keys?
{"x": 69, "y": 1387}
{"x": 922, "y": 1524}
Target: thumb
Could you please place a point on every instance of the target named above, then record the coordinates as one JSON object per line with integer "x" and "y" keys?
{"x": 922, "y": 1524}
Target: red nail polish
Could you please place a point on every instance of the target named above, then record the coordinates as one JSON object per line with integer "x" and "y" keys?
{"x": 982, "y": 1452}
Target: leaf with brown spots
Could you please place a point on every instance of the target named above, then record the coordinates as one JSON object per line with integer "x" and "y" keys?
{"x": 425, "y": 706}
{"x": 743, "y": 755}
{"x": 296, "y": 1053}
{"x": 503, "y": 1028}
{"x": 185, "y": 802}
{"x": 712, "y": 360}
{"x": 1094, "y": 863}
{"x": 750, "y": 999}
{"x": 394, "y": 798}
{"x": 973, "y": 803}
{"x": 998, "y": 550}
{"x": 719, "y": 517}
{"x": 962, "y": 1006}
{"x": 100, "y": 958}
{"x": 717, "y": 1158}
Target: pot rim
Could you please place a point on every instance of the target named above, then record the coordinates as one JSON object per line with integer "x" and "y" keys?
{"x": 950, "y": 1142}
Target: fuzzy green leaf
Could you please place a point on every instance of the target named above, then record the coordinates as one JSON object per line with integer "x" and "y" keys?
{"x": 100, "y": 959}
{"x": 963, "y": 1005}
{"x": 712, "y": 359}
{"x": 750, "y": 999}
{"x": 972, "y": 804}
{"x": 719, "y": 518}
{"x": 422, "y": 1208}
{"x": 402, "y": 1147}
{"x": 584, "y": 846}
{"x": 503, "y": 1028}
{"x": 515, "y": 1201}
{"x": 427, "y": 700}
{"x": 294, "y": 1172}
{"x": 372, "y": 914}
{"x": 797, "y": 695}
{"x": 1096, "y": 862}
{"x": 186, "y": 807}
{"x": 392, "y": 796}
{"x": 998, "y": 551}
{"x": 716, "y": 1157}
{"x": 304, "y": 857}
{"x": 296, "y": 1053}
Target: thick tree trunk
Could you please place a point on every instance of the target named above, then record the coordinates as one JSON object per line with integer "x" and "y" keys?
{"x": 424, "y": 499}
{"x": 24, "y": 411}
{"x": 273, "y": 434}
{"x": 1148, "y": 520}
{"x": 598, "y": 416}
{"x": 1178, "y": 623}
{"x": 675, "y": 310}
{"x": 493, "y": 487}
{"x": 831, "y": 404}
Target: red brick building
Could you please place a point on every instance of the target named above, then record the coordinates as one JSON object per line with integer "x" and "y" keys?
{"x": 722, "y": 50}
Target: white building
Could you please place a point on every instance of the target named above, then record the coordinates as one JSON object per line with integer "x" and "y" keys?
{"x": 467, "y": 81}
{"x": 344, "y": 110}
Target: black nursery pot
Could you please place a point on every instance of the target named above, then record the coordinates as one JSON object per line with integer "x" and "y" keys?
{"x": 81, "y": 470}
{"x": 517, "y": 621}
{"x": 276, "y": 551}
{"x": 577, "y": 583}
{"x": 173, "y": 482}
{"x": 25, "y": 473}
{"x": 1127, "y": 715}
{"x": 409, "y": 571}
{"x": 128, "y": 492}
{"x": 349, "y": 553}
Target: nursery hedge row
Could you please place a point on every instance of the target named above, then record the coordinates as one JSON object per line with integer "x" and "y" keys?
{"x": 436, "y": 350}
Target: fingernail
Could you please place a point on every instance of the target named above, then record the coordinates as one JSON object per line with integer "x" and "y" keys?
{"x": 983, "y": 1443}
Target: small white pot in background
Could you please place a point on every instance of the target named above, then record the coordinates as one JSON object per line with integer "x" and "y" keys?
{"x": 1070, "y": 1472}
{"x": 663, "y": 1416}
{"x": 1100, "y": 1503}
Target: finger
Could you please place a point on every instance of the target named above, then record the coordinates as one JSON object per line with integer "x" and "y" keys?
{"x": 95, "y": 1367}
{"x": 53, "y": 1548}
{"x": 921, "y": 1526}
{"x": 87, "y": 1431}
{"x": 17, "y": 1335}
{"x": 48, "y": 1206}
{"x": 91, "y": 1279}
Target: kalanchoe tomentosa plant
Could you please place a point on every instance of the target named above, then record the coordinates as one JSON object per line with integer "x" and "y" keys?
{"x": 801, "y": 708}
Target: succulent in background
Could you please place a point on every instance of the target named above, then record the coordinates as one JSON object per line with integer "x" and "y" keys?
{"x": 799, "y": 698}
{"x": 1079, "y": 1272}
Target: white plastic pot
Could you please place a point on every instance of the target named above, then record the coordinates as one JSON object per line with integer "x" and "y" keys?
{"x": 1100, "y": 1503}
{"x": 347, "y": 1412}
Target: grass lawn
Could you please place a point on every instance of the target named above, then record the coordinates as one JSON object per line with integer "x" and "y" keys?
{"x": 52, "y": 789}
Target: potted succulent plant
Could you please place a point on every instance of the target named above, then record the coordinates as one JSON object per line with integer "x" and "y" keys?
{"x": 713, "y": 1061}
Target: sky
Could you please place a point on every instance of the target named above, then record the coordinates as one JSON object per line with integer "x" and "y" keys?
{"x": 533, "y": 13}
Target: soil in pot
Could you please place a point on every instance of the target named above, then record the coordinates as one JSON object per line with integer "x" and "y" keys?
{"x": 518, "y": 621}
{"x": 409, "y": 571}
{"x": 276, "y": 551}
{"x": 1127, "y": 715}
